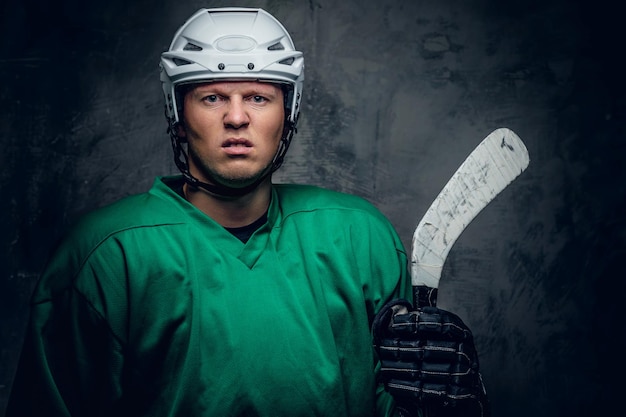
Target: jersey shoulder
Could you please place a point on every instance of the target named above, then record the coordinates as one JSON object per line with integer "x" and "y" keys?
{"x": 158, "y": 207}
{"x": 296, "y": 198}
{"x": 140, "y": 210}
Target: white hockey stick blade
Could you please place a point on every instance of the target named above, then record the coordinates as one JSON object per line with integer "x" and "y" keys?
{"x": 491, "y": 167}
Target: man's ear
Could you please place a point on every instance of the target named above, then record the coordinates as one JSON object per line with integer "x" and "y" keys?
{"x": 180, "y": 130}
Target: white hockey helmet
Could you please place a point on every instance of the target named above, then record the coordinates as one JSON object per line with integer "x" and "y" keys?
{"x": 232, "y": 43}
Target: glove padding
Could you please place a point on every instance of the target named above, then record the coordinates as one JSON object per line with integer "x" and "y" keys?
{"x": 428, "y": 360}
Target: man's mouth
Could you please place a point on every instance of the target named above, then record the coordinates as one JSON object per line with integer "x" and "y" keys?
{"x": 229, "y": 143}
{"x": 237, "y": 147}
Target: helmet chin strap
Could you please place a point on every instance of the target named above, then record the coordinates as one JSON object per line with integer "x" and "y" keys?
{"x": 181, "y": 158}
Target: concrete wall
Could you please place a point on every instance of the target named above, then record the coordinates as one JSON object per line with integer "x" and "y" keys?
{"x": 397, "y": 94}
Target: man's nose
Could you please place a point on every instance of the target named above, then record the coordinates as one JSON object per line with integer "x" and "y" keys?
{"x": 236, "y": 114}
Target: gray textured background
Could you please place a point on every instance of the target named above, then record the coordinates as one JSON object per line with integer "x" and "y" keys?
{"x": 397, "y": 94}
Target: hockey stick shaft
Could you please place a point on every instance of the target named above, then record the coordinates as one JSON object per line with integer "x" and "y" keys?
{"x": 490, "y": 168}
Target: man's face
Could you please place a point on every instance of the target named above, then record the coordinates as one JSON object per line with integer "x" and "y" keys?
{"x": 233, "y": 129}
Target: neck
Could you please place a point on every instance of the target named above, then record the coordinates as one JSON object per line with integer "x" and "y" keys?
{"x": 231, "y": 211}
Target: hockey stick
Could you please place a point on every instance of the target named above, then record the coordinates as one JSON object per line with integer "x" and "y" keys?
{"x": 495, "y": 163}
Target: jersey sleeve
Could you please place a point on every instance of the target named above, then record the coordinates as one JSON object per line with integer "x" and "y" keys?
{"x": 71, "y": 359}
{"x": 382, "y": 261}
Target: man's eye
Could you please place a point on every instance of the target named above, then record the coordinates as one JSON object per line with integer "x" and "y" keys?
{"x": 259, "y": 99}
{"x": 213, "y": 98}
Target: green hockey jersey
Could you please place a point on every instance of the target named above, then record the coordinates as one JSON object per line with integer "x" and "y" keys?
{"x": 150, "y": 308}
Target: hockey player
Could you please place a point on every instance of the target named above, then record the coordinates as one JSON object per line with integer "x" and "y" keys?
{"x": 217, "y": 292}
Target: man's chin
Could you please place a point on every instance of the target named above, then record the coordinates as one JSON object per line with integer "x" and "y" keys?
{"x": 238, "y": 180}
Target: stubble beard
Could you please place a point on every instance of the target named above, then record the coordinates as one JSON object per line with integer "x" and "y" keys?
{"x": 231, "y": 180}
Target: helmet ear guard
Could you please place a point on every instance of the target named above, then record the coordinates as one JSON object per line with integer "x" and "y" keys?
{"x": 288, "y": 131}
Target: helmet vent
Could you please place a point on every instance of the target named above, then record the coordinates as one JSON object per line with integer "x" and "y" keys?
{"x": 180, "y": 62}
{"x": 191, "y": 47}
{"x": 276, "y": 47}
{"x": 287, "y": 61}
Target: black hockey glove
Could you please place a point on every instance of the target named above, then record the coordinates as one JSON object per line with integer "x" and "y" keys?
{"x": 428, "y": 361}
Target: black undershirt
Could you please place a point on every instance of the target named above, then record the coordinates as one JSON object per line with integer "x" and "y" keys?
{"x": 242, "y": 233}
